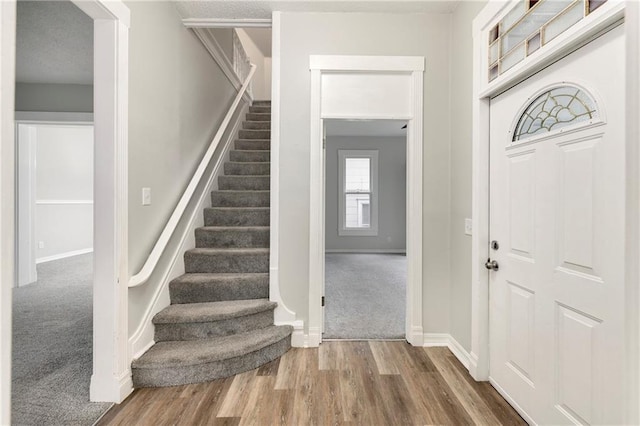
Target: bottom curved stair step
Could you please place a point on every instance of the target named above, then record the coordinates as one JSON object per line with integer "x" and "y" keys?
{"x": 184, "y": 362}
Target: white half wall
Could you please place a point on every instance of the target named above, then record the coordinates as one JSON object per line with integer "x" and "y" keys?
{"x": 392, "y": 174}
{"x": 64, "y": 191}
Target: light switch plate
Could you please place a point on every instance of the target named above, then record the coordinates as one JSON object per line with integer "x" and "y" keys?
{"x": 468, "y": 226}
{"x": 146, "y": 196}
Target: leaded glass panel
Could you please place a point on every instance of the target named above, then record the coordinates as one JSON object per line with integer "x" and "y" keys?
{"x": 559, "y": 107}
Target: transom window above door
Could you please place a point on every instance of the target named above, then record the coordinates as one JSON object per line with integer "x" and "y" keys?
{"x": 557, "y": 108}
{"x": 358, "y": 204}
{"x": 528, "y": 26}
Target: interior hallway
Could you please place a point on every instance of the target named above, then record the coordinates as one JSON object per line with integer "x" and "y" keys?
{"x": 368, "y": 383}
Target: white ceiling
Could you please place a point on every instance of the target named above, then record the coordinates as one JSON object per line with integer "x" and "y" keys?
{"x": 370, "y": 128}
{"x": 260, "y": 9}
{"x": 262, "y": 38}
{"x": 54, "y": 43}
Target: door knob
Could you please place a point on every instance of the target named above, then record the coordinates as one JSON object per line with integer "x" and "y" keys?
{"x": 491, "y": 265}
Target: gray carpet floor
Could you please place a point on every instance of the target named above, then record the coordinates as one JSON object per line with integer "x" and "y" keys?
{"x": 365, "y": 296}
{"x": 52, "y": 346}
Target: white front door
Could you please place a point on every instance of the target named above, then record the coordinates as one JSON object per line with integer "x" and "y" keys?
{"x": 557, "y": 215}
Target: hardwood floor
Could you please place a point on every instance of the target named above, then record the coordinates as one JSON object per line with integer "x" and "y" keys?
{"x": 356, "y": 383}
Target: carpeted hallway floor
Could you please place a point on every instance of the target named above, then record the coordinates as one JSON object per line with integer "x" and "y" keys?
{"x": 52, "y": 346}
{"x": 365, "y": 296}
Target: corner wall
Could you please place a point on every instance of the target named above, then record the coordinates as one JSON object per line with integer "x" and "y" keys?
{"x": 461, "y": 128}
{"x": 304, "y": 34}
{"x": 178, "y": 97}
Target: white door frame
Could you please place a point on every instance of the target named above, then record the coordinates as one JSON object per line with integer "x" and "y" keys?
{"x": 607, "y": 15}
{"x": 413, "y": 67}
{"x": 111, "y": 380}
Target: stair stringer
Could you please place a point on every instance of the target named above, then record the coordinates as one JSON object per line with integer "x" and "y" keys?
{"x": 143, "y": 337}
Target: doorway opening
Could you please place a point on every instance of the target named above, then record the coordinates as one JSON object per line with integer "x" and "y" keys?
{"x": 365, "y": 229}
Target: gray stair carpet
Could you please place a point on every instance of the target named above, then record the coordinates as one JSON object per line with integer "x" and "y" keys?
{"x": 220, "y": 321}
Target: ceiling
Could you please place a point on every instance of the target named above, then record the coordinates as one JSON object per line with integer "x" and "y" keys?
{"x": 54, "y": 43}
{"x": 370, "y": 128}
{"x": 262, "y": 38}
{"x": 260, "y": 9}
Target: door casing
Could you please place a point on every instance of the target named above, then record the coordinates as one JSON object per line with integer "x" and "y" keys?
{"x": 399, "y": 81}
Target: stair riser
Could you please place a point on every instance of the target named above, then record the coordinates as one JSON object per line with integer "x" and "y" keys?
{"x": 262, "y": 103}
{"x": 246, "y": 183}
{"x": 253, "y": 145}
{"x": 254, "y": 134}
{"x": 226, "y": 262}
{"x": 220, "y": 217}
{"x": 247, "y": 169}
{"x": 256, "y": 125}
{"x": 258, "y": 117}
{"x": 156, "y": 377}
{"x": 240, "y": 199}
{"x": 250, "y": 156}
{"x": 221, "y": 290}
{"x": 206, "y": 330}
{"x": 232, "y": 239}
{"x": 260, "y": 109}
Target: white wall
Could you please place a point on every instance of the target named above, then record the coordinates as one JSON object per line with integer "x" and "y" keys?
{"x": 261, "y": 83}
{"x": 64, "y": 190}
{"x": 54, "y": 97}
{"x": 392, "y": 172}
{"x": 178, "y": 97}
{"x": 461, "y": 95}
{"x": 303, "y": 34}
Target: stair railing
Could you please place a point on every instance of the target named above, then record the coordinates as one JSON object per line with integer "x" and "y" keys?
{"x": 154, "y": 257}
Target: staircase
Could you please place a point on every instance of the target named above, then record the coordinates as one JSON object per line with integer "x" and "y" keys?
{"x": 220, "y": 321}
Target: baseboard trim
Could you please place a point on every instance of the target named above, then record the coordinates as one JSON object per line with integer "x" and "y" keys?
{"x": 368, "y": 251}
{"x": 298, "y": 338}
{"x": 110, "y": 388}
{"x": 63, "y": 255}
{"x": 446, "y": 340}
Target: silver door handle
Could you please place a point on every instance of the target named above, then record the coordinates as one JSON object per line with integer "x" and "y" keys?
{"x": 491, "y": 265}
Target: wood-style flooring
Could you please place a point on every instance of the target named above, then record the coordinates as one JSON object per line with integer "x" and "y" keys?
{"x": 356, "y": 383}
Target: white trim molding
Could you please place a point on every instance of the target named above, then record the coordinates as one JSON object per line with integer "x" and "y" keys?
{"x": 226, "y": 23}
{"x": 408, "y": 104}
{"x": 447, "y": 340}
{"x": 7, "y": 195}
{"x": 45, "y": 117}
{"x": 367, "y": 251}
{"x": 608, "y": 15}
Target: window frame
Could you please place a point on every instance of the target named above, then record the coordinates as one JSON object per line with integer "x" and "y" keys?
{"x": 372, "y": 230}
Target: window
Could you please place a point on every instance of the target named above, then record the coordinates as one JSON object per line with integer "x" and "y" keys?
{"x": 528, "y": 26}
{"x": 358, "y": 204}
{"x": 557, "y": 108}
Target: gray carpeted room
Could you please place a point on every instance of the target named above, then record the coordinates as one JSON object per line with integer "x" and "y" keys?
{"x": 365, "y": 235}
{"x": 52, "y": 346}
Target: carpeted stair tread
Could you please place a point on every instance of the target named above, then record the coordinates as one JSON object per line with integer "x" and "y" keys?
{"x": 256, "y": 125}
{"x": 250, "y": 168}
{"x": 259, "y": 116}
{"x": 248, "y": 155}
{"x": 238, "y": 216}
{"x": 259, "y": 102}
{"x": 193, "y": 352}
{"x": 226, "y": 260}
{"x": 239, "y": 198}
{"x": 244, "y": 182}
{"x": 252, "y": 144}
{"x": 211, "y": 311}
{"x": 232, "y": 236}
{"x": 254, "y": 134}
{"x": 259, "y": 109}
{"x": 211, "y": 287}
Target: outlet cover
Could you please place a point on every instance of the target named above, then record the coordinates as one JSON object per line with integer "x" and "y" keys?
{"x": 146, "y": 196}
{"x": 468, "y": 226}
{"x": 40, "y": 244}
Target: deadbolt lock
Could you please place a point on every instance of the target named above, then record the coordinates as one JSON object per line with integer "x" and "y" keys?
{"x": 495, "y": 245}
